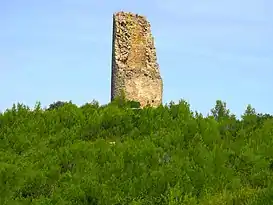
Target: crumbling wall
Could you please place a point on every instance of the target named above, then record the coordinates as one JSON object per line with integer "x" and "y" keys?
{"x": 134, "y": 63}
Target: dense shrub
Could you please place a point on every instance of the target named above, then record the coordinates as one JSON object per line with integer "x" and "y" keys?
{"x": 165, "y": 155}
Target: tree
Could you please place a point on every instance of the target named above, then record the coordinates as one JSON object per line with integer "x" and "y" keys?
{"x": 220, "y": 110}
{"x": 57, "y": 105}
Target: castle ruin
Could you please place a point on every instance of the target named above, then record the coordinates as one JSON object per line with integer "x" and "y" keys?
{"x": 135, "y": 70}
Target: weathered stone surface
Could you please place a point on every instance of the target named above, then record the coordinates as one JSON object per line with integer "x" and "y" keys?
{"x": 134, "y": 63}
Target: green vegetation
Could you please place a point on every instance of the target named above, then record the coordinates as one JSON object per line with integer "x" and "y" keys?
{"x": 166, "y": 155}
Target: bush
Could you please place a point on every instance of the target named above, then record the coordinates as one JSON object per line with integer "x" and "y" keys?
{"x": 165, "y": 155}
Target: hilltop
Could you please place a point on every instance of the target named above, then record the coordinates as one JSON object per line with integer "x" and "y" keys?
{"x": 114, "y": 154}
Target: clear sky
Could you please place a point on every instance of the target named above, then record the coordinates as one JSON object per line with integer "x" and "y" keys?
{"x": 54, "y": 50}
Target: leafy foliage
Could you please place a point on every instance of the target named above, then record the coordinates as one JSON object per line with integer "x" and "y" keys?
{"x": 165, "y": 155}
{"x": 57, "y": 105}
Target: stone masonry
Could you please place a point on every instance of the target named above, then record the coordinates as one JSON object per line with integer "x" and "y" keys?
{"x": 135, "y": 70}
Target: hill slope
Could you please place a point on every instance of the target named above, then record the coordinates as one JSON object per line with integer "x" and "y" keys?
{"x": 165, "y": 155}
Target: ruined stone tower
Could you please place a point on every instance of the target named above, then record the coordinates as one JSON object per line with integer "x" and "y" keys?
{"x": 135, "y": 70}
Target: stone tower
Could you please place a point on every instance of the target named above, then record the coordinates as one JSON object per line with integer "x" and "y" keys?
{"x": 135, "y": 70}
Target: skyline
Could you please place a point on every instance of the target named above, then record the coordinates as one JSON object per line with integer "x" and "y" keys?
{"x": 206, "y": 51}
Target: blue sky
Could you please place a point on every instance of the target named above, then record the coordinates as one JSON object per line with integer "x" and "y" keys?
{"x": 207, "y": 50}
